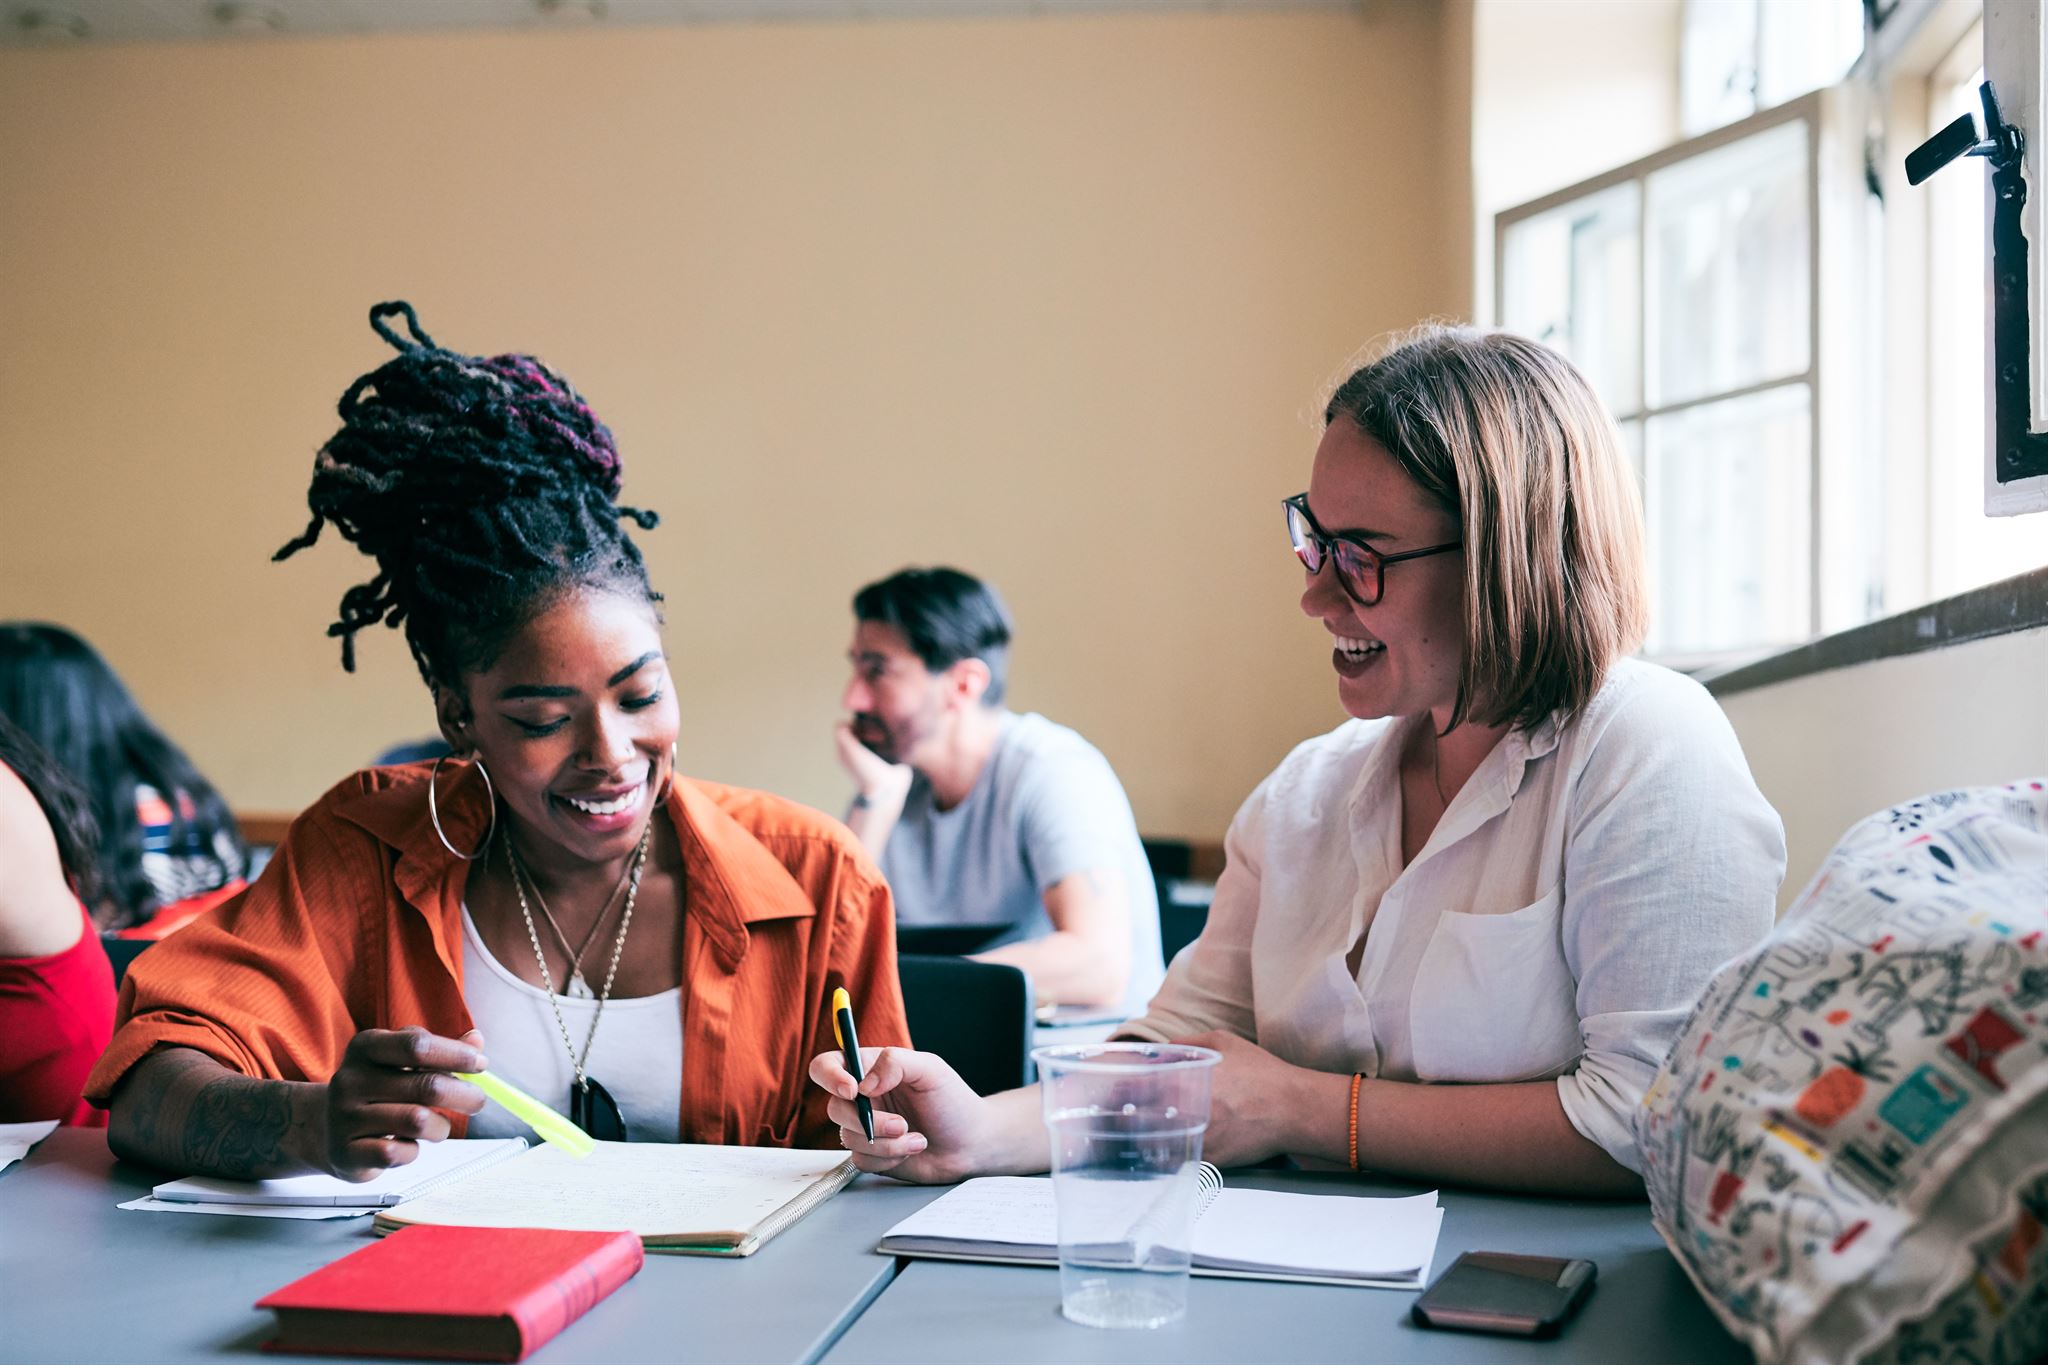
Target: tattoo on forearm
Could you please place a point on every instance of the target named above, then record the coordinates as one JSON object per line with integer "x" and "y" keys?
{"x": 238, "y": 1126}
{"x": 142, "y": 1108}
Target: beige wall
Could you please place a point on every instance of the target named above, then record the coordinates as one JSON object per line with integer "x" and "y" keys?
{"x": 1831, "y": 748}
{"x": 1049, "y": 299}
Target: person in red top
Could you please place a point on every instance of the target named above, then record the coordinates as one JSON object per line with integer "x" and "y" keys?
{"x": 660, "y": 949}
{"x": 56, "y": 985}
{"x": 168, "y": 845}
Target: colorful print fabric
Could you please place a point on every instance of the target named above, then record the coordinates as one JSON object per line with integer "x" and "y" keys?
{"x": 1842, "y": 1082}
{"x": 1998, "y": 1315}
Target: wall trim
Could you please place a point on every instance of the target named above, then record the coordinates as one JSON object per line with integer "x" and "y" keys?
{"x": 2002, "y": 608}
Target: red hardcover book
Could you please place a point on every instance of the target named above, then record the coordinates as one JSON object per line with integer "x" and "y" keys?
{"x": 452, "y": 1293}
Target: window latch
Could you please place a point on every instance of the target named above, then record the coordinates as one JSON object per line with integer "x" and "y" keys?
{"x": 2020, "y": 452}
{"x": 1992, "y": 138}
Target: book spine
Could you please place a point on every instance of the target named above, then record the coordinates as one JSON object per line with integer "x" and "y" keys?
{"x": 544, "y": 1312}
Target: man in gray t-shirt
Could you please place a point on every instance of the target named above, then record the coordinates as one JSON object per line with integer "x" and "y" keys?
{"x": 980, "y": 816}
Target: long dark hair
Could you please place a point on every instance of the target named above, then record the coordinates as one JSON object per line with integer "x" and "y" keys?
{"x": 64, "y": 806}
{"x": 484, "y": 488}
{"x": 63, "y": 696}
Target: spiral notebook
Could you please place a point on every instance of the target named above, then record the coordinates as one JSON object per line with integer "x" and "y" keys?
{"x": 677, "y": 1197}
{"x": 1240, "y": 1234}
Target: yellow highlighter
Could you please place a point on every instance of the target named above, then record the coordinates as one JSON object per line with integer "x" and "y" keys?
{"x": 551, "y": 1126}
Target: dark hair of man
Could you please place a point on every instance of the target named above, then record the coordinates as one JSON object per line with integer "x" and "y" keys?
{"x": 944, "y": 616}
{"x": 484, "y": 488}
{"x": 26, "y": 705}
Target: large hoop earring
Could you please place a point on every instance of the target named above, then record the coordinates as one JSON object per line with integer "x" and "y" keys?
{"x": 661, "y": 797}
{"x": 434, "y": 811}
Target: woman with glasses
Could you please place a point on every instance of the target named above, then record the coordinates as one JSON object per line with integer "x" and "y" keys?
{"x": 555, "y": 902}
{"x": 1455, "y": 935}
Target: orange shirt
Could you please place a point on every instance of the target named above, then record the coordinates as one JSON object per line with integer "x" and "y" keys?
{"x": 357, "y": 923}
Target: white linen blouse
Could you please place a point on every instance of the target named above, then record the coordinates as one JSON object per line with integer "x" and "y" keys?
{"x": 1560, "y": 921}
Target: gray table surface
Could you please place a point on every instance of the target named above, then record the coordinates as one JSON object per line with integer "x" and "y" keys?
{"x": 82, "y": 1280}
{"x": 1642, "y": 1308}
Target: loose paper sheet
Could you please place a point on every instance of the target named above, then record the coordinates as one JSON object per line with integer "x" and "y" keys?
{"x": 17, "y": 1138}
{"x": 150, "y": 1204}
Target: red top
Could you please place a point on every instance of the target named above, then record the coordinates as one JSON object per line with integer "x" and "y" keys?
{"x": 56, "y": 1017}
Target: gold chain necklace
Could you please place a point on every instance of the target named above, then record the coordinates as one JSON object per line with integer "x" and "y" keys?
{"x": 519, "y": 875}
{"x": 576, "y": 988}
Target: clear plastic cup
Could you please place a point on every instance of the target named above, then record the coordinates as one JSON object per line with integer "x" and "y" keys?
{"x": 1126, "y": 1121}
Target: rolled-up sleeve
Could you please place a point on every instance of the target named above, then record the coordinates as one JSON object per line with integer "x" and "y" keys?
{"x": 1209, "y": 985}
{"x": 1672, "y": 867}
{"x": 260, "y": 984}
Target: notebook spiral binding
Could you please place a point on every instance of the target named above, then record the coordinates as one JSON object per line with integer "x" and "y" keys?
{"x": 1208, "y": 1184}
{"x": 1155, "y": 1224}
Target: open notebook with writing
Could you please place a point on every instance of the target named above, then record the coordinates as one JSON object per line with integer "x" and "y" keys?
{"x": 678, "y": 1197}
{"x": 1243, "y": 1234}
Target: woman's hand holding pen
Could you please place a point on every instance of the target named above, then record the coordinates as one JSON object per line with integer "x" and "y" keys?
{"x": 930, "y": 1127}
{"x": 387, "y": 1097}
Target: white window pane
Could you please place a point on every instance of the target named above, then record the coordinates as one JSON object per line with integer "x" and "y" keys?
{"x": 1632, "y": 446}
{"x": 1804, "y": 45}
{"x": 1571, "y": 277}
{"x": 1717, "y": 64}
{"x": 1729, "y": 271}
{"x": 1728, "y": 490}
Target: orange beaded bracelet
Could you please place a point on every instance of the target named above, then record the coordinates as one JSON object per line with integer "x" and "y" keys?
{"x": 1357, "y": 1078}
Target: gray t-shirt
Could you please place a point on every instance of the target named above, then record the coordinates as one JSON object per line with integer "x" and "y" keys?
{"x": 1046, "y": 806}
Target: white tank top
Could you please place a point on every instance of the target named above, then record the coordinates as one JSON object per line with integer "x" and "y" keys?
{"x": 637, "y": 1054}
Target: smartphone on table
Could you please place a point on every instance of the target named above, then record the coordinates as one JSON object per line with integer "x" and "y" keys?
{"x": 1491, "y": 1291}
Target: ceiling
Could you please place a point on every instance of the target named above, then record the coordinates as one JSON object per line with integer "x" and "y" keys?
{"x": 64, "y": 23}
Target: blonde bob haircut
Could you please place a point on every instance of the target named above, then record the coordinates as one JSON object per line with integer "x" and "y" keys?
{"x": 1508, "y": 437}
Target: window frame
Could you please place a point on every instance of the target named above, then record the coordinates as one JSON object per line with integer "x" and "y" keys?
{"x": 2016, "y": 424}
{"x": 1819, "y": 111}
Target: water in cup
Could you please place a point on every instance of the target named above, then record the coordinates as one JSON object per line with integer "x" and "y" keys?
{"x": 1126, "y": 1123}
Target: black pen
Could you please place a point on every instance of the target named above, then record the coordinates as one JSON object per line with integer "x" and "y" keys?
{"x": 849, "y": 1048}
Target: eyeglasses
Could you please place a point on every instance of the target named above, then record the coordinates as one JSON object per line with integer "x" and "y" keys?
{"x": 1361, "y": 570}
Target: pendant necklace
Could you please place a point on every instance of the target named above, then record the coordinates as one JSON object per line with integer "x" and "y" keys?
{"x": 591, "y": 1107}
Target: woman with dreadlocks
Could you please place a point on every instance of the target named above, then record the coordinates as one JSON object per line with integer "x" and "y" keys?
{"x": 651, "y": 952}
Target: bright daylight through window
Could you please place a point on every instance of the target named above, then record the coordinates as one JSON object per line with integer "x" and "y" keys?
{"x": 1748, "y": 301}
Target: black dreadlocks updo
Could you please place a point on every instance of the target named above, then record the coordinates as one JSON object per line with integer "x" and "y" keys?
{"x": 484, "y": 489}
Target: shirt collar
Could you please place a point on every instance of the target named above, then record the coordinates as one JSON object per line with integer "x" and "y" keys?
{"x": 1520, "y": 748}
{"x": 733, "y": 880}
{"x": 1486, "y": 794}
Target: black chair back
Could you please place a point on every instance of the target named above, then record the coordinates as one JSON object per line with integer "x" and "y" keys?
{"x": 977, "y": 1015}
{"x": 1183, "y": 900}
{"x": 1180, "y": 921}
{"x": 121, "y": 952}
